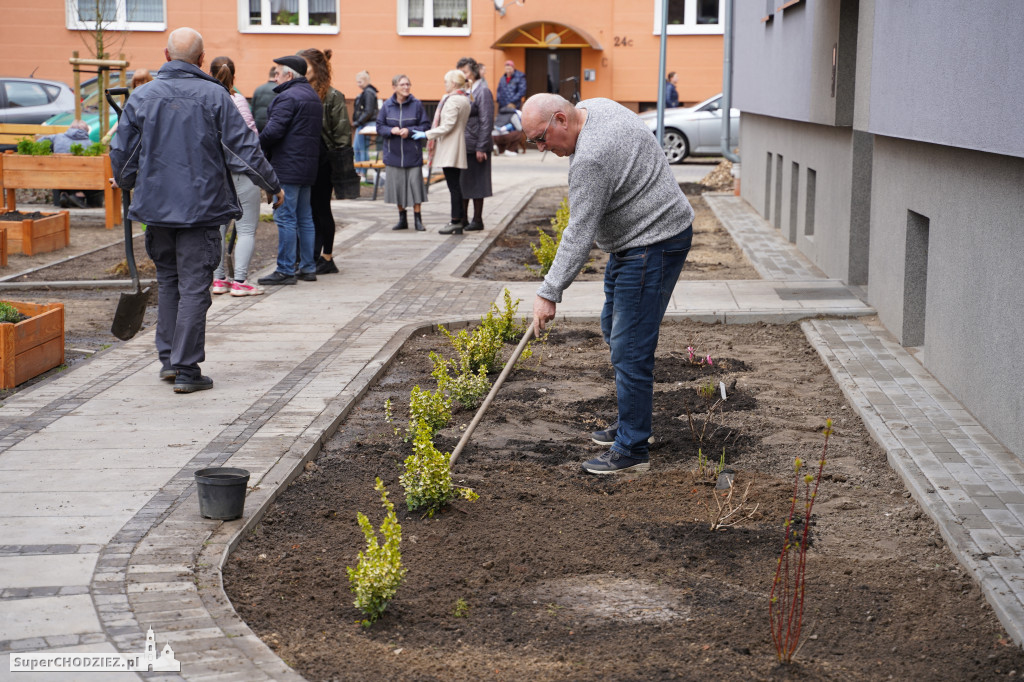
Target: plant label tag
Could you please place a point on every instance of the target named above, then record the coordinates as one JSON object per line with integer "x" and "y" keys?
{"x": 721, "y": 387}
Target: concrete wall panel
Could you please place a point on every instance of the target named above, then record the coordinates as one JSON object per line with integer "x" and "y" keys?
{"x": 974, "y": 307}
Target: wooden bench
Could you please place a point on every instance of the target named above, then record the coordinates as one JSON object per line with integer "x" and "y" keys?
{"x": 60, "y": 171}
{"x": 10, "y": 133}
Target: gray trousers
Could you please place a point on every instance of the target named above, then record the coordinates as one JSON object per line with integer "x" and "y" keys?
{"x": 185, "y": 259}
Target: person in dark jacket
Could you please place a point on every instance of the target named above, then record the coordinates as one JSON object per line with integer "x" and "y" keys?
{"x": 401, "y": 116}
{"x": 179, "y": 140}
{"x": 261, "y": 98}
{"x": 511, "y": 88}
{"x": 336, "y": 143}
{"x": 671, "y": 94}
{"x": 291, "y": 141}
{"x": 475, "y": 181}
{"x": 364, "y": 111}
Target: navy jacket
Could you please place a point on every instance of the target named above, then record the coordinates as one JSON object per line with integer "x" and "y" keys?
{"x": 178, "y": 141}
{"x": 511, "y": 91}
{"x": 291, "y": 138}
{"x": 671, "y": 95}
{"x": 398, "y": 151}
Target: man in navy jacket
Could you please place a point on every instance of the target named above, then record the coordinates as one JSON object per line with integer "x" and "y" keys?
{"x": 178, "y": 141}
{"x": 291, "y": 140}
{"x": 511, "y": 88}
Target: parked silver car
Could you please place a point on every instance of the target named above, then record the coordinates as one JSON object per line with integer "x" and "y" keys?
{"x": 31, "y": 100}
{"x": 696, "y": 130}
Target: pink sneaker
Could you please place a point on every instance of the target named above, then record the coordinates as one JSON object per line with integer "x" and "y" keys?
{"x": 245, "y": 289}
{"x": 221, "y": 286}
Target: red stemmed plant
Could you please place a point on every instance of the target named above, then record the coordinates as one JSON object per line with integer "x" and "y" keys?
{"x": 786, "y": 602}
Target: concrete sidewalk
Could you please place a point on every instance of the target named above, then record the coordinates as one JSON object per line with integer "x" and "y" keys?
{"x": 100, "y": 536}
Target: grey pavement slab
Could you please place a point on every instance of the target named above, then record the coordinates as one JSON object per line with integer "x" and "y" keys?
{"x": 100, "y": 534}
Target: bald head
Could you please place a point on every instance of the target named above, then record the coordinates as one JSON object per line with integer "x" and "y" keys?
{"x": 185, "y": 44}
{"x": 553, "y": 123}
{"x": 541, "y": 106}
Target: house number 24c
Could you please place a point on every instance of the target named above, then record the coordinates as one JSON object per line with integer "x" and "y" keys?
{"x": 623, "y": 41}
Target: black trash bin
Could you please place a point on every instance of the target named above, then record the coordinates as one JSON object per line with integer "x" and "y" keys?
{"x": 221, "y": 492}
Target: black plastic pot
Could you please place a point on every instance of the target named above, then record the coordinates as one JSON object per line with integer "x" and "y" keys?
{"x": 221, "y": 492}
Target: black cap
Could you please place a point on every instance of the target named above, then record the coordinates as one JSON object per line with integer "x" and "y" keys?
{"x": 294, "y": 62}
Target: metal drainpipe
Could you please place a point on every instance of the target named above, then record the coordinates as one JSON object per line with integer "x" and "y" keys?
{"x": 727, "y": 86}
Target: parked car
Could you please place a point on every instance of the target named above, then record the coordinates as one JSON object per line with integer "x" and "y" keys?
{"x": 696, "y": 130}
{"x": 31, "y": 100}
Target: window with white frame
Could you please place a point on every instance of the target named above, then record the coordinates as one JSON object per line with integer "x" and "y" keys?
{"x": 116, "y": 15}
{"x": 434, "y": 17}
{"x": 288, "y": 16}
{"x": 690, "y": 17}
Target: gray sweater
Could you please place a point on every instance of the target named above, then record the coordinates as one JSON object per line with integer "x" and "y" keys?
{"x": 622, "y": 193}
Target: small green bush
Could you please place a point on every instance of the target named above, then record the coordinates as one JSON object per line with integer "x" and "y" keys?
{"x": 428, "y": 478}
{"x": 8, "y": 313}
{"x": 503, "y": 321}
{"x": 465, "y": 387}
{"x": 480, "y": 349}
{"x": 545, "y": 251}
{"x": 30, "y": 147}
{"x": 433, "y": 408}
{"x": 379, "y": 572}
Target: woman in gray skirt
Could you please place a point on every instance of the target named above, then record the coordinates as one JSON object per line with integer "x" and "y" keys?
{"x": 400, "y": 117}
{"x": 476, "y": 179}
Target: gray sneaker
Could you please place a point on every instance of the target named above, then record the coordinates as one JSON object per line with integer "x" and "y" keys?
{"x": 607, "y": 436}
{"x": 613, "y": 462}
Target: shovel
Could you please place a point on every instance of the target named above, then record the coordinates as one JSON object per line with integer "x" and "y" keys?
{"x": 131, "y": 307}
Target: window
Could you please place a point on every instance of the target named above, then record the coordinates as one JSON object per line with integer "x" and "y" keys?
{"x": 288, "y": 16}
{"x": 22, "y": 94}
{"x": 690, "y": 17}
{"x": 434, "y": 17}
{"x": 116, "y": 15}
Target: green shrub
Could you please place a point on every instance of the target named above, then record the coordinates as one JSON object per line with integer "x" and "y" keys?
{"x": 77, "y": 149}
{"x": 480, "y": 348}
{"x": 428, "y": 478}
{"x": 433, "y": 408}
{"x": 466, "y": 387}
{"x": 8, "y": 313}
{"x": 503, "y": 321}
{"x": 379, "y": 572}
{"x": 30, "y": 147}
{"x": 545, "y": 251}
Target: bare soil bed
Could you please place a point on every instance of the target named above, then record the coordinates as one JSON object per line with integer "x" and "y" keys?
{"x": 554, "y": 574}
{"x": 714, "y": 255}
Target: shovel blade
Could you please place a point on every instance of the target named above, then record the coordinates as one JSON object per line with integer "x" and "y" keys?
{"x": 131, "y": 309}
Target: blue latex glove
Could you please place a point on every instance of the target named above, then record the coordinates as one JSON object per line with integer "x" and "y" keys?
{"x": 419, "y": 135}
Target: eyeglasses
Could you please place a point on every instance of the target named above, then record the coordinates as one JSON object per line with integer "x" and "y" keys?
{"x": 542, "y": 138}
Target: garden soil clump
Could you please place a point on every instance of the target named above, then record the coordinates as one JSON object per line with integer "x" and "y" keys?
{"x": 714, "y": 255}
{"x": 553, "y": 574}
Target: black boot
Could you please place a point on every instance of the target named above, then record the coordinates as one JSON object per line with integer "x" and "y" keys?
{"x": 418, "y": 222}
{"x": 403, "y": 221}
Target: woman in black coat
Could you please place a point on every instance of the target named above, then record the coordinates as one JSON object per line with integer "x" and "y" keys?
{"x": 476, "y": 178}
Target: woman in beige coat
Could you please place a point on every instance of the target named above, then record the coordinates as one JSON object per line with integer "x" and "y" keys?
{"x": 449, "y": 136}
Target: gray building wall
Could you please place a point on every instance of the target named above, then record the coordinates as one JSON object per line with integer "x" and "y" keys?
{"x": 825, "y": 150}
{"x": 948, "y": 72}
{"x": 973, "y": 317}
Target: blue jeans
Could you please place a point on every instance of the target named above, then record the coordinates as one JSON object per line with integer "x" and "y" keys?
{"x": 359, "y": 146}
{"x": 638, "y": 284}
{"x": 294, "y": 218}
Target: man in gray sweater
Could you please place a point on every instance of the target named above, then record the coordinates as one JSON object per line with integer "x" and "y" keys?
{"x": 623, "y": 196}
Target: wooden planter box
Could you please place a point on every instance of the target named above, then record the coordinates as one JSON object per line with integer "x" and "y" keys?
{"x": 38, "y": 235}
{"x": 32, "y": 346}
{"x": 61, "y": 171}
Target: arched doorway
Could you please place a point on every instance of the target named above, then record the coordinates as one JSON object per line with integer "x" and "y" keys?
{"x": 553, "y": 56}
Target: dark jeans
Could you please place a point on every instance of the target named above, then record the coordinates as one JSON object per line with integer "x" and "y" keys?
{"x": 320, "y": 202}
{"x": 185, "y": 259}
{"x": 295, "y": 230}
{"x": 638, "y": 284}
{"x": 453, "y": 176}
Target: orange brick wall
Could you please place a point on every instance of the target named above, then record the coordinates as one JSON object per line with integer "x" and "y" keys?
{"x": 34, "y": 37}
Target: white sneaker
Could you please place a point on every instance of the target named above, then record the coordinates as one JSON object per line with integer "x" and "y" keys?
{"x": 221, "y": 286}
{"x": 245, "y": 289}
{"x": 509, "y": 152}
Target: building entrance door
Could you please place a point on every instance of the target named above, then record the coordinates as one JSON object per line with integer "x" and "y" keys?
{"x": 548, "y": 70}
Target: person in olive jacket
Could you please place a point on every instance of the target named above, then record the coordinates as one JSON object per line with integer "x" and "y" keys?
{"x": 334, "y": 162}
{"x": 291, "y": 140}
